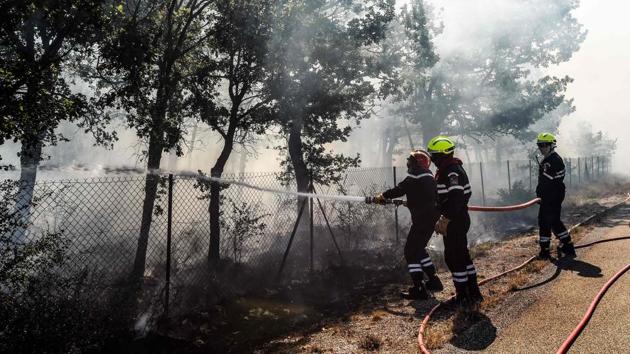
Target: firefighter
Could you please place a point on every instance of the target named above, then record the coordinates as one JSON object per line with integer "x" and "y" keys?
{"x": 419, "y": 187}
{"x": 454, "y": 192}
{"x": 551, "y": 191}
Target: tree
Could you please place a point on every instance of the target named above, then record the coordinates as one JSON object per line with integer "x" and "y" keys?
{"x": 323, "y": 80}
{"x": 586, "y": 142}
{"x": 409, "y": 48}
{"x": 141, "y": 69}
{"x": 38, "y": 41}
{"x": 491, "y": 89}
{"x": 234, "y": 60}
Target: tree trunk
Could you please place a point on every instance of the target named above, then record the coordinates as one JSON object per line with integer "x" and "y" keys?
{"x": 385, "y": 142}
{"x": 297, "y": 157}
{"x": 30, "y": 157}
{"x": 411, "y": 145}
{"x": 150, "y": 191}
{"x": 191, "y": 149}
{"x": 431, "y": 128}
{"x": 154, "y": 157}
{"x": 214, "y": 208}
{"x": 302, "y": 177}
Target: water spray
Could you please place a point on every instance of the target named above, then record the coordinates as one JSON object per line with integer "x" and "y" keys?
{"x": 344, "y": 198}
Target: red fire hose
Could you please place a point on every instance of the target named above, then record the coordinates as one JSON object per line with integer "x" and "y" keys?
{"x": 426, "y": 319}
{"x": 399, "y": 202}
{"x": 504, "y": 208}
{"x": 589, "y": 313}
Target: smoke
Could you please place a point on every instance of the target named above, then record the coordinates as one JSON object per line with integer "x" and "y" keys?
{"x": 599, "y": 68}
{"x": 602, "y": 77}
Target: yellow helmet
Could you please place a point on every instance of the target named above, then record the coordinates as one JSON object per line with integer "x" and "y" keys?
{"x": 545, "y": 138}
{"x": 441, "y": 145}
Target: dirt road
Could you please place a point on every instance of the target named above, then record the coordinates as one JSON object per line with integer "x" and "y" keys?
{"x": 561, "y": 302}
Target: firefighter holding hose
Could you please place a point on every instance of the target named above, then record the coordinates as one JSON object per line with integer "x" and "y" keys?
{"x": 453, "y": 193}
{"x": 551, "y": 191}
{"x": 419, "y": 188}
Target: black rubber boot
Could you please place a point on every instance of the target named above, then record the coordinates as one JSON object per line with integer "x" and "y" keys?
{"x": 434, "y": 283}
{"x": 416, "y": 293}
{"x": 566, "y": 250}
{"x": 462, "y": 300}
{"x": 544, "y": 254}
{"x": 473, "y": 289}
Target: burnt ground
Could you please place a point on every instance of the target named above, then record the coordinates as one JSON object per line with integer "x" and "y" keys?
{"x": 354, "y": 309}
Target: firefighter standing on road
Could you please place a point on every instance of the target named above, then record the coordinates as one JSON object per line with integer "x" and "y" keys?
{"x": 551, "y": 191}
{"x": 419, "y": 187}
{"x": 454, "y": 192}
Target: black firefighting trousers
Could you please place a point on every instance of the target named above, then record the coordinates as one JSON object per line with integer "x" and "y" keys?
{"x": 456, "y": 253}
{"x": 548, "y": 221}
{"x": 418, "y": 260}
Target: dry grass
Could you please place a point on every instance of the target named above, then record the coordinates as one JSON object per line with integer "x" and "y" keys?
{"x": 517, "y": 280}
{"x": 378, "y": 315}
{"x": 535, "y": 267}
{"x": 370, "y": 343}
{"x": 438, "y": 334}
{"x": 492, "y": 299}
{"x": 481, "y": 249}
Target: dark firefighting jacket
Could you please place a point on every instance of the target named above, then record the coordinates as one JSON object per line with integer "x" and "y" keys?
{"x": 453, "y": 189}
{"x": 551, "y": 172}
{"x": 421, "y": 197}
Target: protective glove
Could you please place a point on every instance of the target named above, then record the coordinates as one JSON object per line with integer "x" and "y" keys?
{"x": 379, "y": 199}
{"x": 442, "y": 225}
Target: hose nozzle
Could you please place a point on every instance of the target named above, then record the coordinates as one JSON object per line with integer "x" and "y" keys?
{"x": 376, "y": 200}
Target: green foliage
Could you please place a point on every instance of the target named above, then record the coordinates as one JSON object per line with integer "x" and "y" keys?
{"x": 39, "y": 41}
{"x": 44, "y": 309}
{"x": 143, "y": 62}
{"x": 232, "y": 65}
{"x": 245, "y": 223}
{"x": 321, "y": 82}
{"x": 492, "y": 87}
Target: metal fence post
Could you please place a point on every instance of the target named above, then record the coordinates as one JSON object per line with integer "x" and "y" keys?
{"x": 311, "y": 209}
{"x": 530, "y": 175}
{"x": 395, "y": 208}
{"x": 587, "y": 175}
{"x": 509, "y": 178}
{"x": 169, "y": 224}
{"x": 599, "y": 167}
{"x": 570, "y": 166}
{"x": 483, "y": 190}
{"x": 295, "y": 227}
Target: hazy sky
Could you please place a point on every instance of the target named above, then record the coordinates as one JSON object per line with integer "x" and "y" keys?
{"x": 601, "y": 70}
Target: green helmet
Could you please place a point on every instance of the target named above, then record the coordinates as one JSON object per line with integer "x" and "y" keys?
{"x": 441, "y": 145}
{"x": 546, "y": 138}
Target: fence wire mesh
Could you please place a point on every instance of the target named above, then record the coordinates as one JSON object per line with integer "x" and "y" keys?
{"x": 100, "y": 221}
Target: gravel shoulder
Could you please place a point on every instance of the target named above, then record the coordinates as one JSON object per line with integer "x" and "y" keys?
{"x": 559, "y": 305}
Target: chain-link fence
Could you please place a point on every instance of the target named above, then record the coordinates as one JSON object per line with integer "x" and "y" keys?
{"x": 100, "y": 219}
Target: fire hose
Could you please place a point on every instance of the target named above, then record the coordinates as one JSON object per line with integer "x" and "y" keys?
{"x": 399, "y": 202}
{"x": 576, "y": 332}
{"x": 589, "y": 313}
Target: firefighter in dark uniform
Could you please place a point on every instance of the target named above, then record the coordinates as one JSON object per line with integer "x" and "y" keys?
{"x": 419, "y": 187}
{"x": 551, "y": 191}
{"x": 454, "y": 192}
